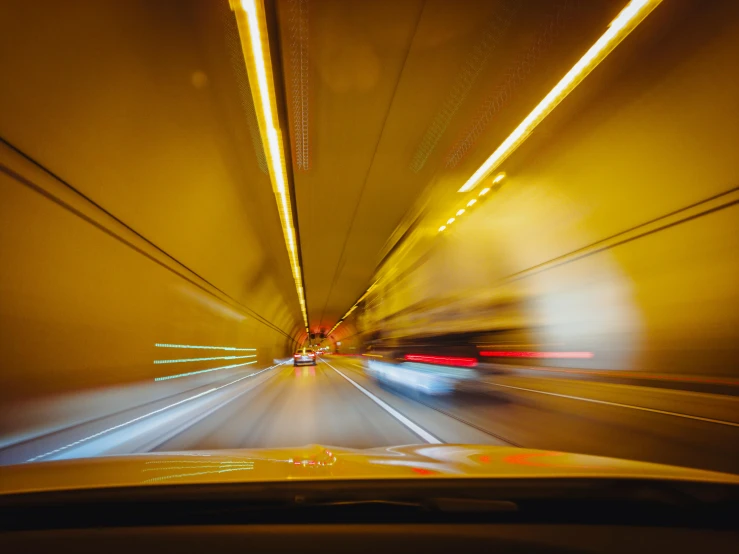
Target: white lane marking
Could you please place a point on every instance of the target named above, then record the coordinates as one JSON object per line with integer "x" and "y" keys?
{"x": 57, "y": 450}
{"x": 168, "y": 377}
{"x": 425, "y": 435}
{"x": 663, "y": 412}
{"x": 188, "y": 424}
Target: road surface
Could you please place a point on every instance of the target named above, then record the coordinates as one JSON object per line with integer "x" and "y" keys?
{"x": 336, "y": 404}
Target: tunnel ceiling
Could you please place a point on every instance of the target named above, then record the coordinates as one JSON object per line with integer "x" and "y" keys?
{"x": 144, "y": 108}
{"x": 387, "y": 100}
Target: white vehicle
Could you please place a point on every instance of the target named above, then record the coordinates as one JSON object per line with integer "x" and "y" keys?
{"x": 304, "y": 356}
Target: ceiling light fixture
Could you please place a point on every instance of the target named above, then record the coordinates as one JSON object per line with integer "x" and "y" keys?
{"x": 633, "y": 14}
{"x": 354, "y": 306}
{"x": 252, "y": 26}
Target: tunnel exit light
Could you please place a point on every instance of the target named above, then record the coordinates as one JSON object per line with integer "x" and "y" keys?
{"x": 633, "y": 14}
{"x": 251, "y": 21}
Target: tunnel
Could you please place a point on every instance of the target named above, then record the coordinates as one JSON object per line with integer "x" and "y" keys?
{"x": 473, "y": 248}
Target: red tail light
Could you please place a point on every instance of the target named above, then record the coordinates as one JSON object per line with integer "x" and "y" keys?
{"x": 297, "y": 355}
{"x": 442, "y": 360}
{"x": 519, "y": 354}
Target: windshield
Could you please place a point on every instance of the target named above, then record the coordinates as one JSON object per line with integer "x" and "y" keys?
{"x": 375, "y": 238}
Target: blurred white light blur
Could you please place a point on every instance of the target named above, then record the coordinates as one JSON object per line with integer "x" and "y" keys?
{"x": 450, "y": 221}
{"x": 460, "y": 212}
{"x": 484, "y": 191}
{"x": 471, "y": 202}
{"x": 168, "y": 377}
{"x": 182, "y": 360}
{"x": 442, "y": 228}
{"x": 160, "y": 345}
{"x": 619, "y": 28}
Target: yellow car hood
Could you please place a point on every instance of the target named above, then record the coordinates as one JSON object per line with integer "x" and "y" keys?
{"x": 316, "y": 462}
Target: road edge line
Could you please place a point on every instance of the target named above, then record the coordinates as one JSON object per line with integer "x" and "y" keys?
{"x": 414, "y": 427}
{"x": 619, "y": 405}
{"x": 103, "y": 432}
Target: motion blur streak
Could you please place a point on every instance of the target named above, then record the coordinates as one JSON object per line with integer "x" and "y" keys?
{"x": 202, "y": 347}
{"x": 109, "y": 429}
{"x": 442, "y": 360}
{"x": 181, "y": 360}
{"x": 168, "y": 377}
{"x": 709, "y": 420}
{"x": 147, "y": 415}
{"x": 253, "y": 30}
{"x": 149, "y": 191}
{"x": 516, "y": 354}
{"x": 619, "y": 28}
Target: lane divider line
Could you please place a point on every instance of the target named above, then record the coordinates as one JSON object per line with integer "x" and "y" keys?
{"x": 418, "y": 430}
{"x": 134, "y": 420}
{"x": 151, "y": 445}
{"x": 168, "y": 377}
{"x": 641, "y": 408}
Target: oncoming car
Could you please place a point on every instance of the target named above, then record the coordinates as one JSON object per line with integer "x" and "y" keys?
{"x": 304, "y": 356}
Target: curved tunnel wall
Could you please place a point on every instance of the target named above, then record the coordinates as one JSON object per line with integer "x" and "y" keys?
{"x": 616, "y": 231}
{"x": 132, "y": 197}
{"x": 84, "y": 299}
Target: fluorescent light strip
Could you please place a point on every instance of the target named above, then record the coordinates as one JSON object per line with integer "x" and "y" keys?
{"x": 252, "y": 31}
{"x": 619, "y": 28}
{"x": 160, "y": 345}
{"x": 183, "y": 360}
{"x": 461, "y": 211}
{"x": 201, "y": 371}
{"x": 354, "y": 307}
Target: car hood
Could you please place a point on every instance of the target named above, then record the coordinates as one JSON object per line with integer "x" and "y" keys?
{"x": 317, "y": 462}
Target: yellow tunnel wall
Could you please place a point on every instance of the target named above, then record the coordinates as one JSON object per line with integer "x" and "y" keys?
{"x": 616, "y": 231}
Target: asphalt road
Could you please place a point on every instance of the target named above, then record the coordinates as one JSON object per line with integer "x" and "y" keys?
{"x": 336, "y": 404}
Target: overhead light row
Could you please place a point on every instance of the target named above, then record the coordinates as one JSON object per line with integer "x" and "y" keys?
{"x": 252, "y": 26}
{"x": 472, "y": 202}
{"x": 354, "y": 307}
{"x": 633, "y": 14}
